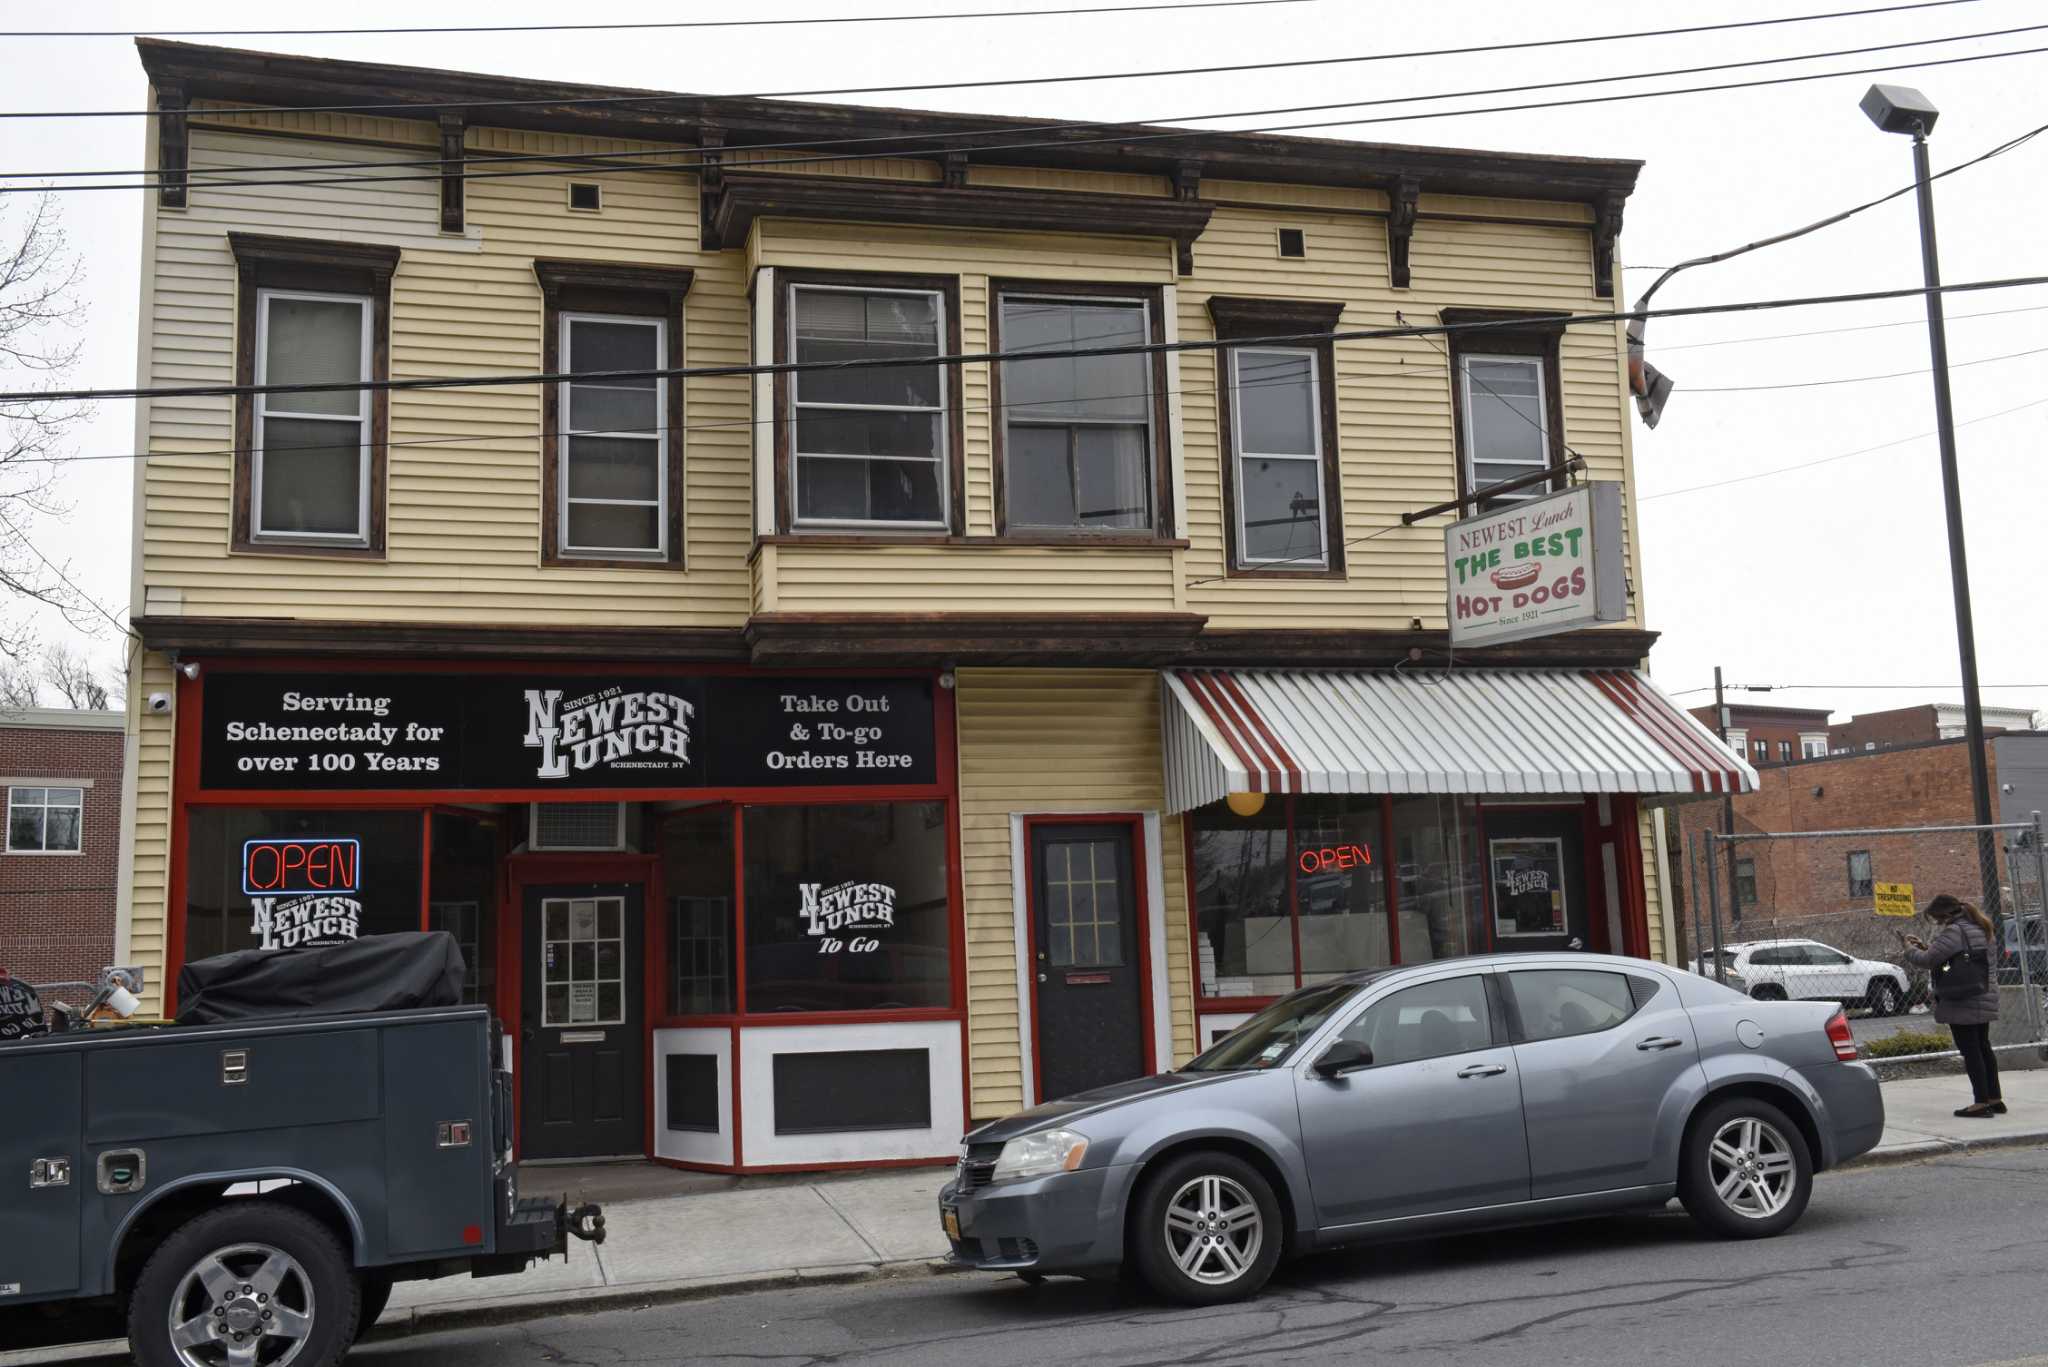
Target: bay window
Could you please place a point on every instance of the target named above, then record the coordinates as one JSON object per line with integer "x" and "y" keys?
{"x": 870, "y": 446}
{"x": 1080, "y": 434}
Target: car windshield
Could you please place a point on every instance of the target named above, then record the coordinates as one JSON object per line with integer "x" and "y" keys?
{"x": 1270, "y": 1038}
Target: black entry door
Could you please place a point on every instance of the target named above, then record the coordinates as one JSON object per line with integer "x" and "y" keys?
{"x": 1536, "y": 878}
{"x": 583, "y": 1023}
{"x": 1087, "y": 959}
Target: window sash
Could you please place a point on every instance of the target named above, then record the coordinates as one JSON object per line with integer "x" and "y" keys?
{"x": 1542, "y": 424}
{"x": 941, "y": 446}
{"x": 564, "y": 409}
{"x": 1022, "y": 416}
{"x": 280, "y": 406}
{"x": 43, "y": 807}
{"x": 1321, "y": 559}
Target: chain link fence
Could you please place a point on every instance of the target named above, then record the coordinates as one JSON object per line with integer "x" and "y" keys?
{"x": 1826, "y": 916}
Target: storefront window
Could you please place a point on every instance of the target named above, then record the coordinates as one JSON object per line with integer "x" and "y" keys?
{"x": 1246, "y": 945}
{"x": 696, "y": 873}
{"x": 846, "y": 908}
{"x": 321, "y": 877}
{"x": 1437, "y": 866}
{"x": 462, "y": 895}
{"x": 1340, "y": 886}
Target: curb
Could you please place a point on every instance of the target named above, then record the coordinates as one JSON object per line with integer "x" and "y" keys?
{"x": 1925, "y": 1149}
{"x": 428, "y": 1319}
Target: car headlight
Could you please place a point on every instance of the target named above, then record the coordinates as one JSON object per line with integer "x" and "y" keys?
{"x": 1040, "y": 1155}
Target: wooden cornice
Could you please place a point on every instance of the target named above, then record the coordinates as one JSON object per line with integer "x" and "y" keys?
{"x": 1236, "y": 315}
{"x": 748, "y": 196}
{"x": 373, "y": 258}
{"x": 555, "y": 275}
{"x": 202, "y": 72}
{"x": 854, "y": 641}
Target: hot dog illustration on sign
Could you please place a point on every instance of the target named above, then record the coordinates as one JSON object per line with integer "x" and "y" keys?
{"x": 850, "y": 906}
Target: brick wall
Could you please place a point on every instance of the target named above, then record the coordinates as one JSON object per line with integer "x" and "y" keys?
{"x": 1899, "y": 726}
{"x": 57, "y": 911}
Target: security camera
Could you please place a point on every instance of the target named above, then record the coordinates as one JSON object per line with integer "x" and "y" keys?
{"x": 159, "y": 702}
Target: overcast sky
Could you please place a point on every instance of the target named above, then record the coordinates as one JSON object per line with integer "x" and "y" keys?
{"x": 1833, "y": 575}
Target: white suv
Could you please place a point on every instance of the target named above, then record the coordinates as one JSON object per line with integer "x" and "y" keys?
{"x": 1807, "y": 970}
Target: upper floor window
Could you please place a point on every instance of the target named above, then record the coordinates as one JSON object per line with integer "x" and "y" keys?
{"x": 611, "y": 462}
{"x": 45, "y": 820}
{"x": 1813, "y": 747}
{"x": 1080, "y": 451}
{"x": 1277, "y": 464}
{"x": 1510, "y": 414}
{"x": 614, "y": 451}
{"x": 309, "y": 469}
{"x": 870, "y": 444}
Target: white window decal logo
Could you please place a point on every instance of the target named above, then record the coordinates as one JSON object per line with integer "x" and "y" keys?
{"x": 844, "y": 907}
{"x": 622, "y": 730}
{"x": 302, "y": 922}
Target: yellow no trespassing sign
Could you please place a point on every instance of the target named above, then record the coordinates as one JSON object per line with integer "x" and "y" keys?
{"x": 1893, "y": 899}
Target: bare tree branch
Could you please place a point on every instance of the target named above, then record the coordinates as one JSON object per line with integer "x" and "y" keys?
{"x": 75, "y": 679}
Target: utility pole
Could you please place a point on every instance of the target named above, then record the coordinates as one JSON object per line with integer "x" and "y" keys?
{"x": 1727, "y": 829}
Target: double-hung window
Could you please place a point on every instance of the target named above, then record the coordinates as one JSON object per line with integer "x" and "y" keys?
{"x": 870, "y": 442}
{"x": 1079, "y": 446}
{"x": 45, "y": 820}
{"x": 1278, "y": 440}
{"x": 311, "y": 478}
{"x": 1507, "y": 433}
{"x": 614, "y": 455}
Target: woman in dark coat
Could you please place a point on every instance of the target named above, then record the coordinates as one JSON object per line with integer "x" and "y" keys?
{"x": 1965, "y": 931}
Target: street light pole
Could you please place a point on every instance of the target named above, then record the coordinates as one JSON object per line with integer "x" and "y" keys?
{"x": 1896, "y": 109}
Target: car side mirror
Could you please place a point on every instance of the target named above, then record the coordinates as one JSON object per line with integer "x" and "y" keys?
{"x": 1342, "y": 1057}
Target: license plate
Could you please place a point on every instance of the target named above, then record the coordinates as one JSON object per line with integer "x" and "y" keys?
{"x": 950, "y": 1218}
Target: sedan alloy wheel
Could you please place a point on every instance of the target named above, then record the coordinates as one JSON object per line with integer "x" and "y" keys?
{"x": 1751, "y": 1167}
{"x": 1214, "y": 1230}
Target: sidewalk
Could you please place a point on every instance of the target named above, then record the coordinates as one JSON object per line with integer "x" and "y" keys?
{"x": 675, "y": 1236}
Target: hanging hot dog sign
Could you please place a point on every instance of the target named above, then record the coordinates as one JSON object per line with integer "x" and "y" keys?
{"x": 1536, "y": 566}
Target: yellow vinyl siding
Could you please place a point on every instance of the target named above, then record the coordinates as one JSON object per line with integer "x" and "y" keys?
{"x": 150, "y": 878}
{"x": 1646, "y": 834}
{"x": 1052, "y": 740}
{"x": 970, "y": 579}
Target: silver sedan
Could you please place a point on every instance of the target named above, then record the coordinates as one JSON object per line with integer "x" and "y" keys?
{"x": 1464, "y": 1094}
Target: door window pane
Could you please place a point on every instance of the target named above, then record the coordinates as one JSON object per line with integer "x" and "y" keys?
{"x": 1085, "y": 907}
{"x": 586, "y": 971}
{"x": 1077, "y": 430}
{"x": 1506, "y": 431}
{"x": 870, "y": 443}
{"x": 847, "y": 907}
{"x": 1339, "y": 886}
{"x": 614, "y": 452}
{"x": 220, "y": 917}
{"x": 1438, "y": 865}
{"x": 1431, "y": 1020}
{"x": 1528, "y": 887}
{"x": 696, "y": 861}
{"x": 1246, "y": 945}
{"x": 312, "y": 448}
{"x": 1555, "y": 1003}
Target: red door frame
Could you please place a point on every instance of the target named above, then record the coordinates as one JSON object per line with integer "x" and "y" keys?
{"x": 1141, "y": 894}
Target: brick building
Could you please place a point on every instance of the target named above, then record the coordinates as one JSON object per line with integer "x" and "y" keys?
{"x": 60, "y": 779}
{"x": 1919, "y": 725}
{"x": 1772, "y": 735}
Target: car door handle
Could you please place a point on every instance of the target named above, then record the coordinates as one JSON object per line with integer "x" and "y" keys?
{"x": 1659, "y": 1042}
{"x": 1482, "y": 1070}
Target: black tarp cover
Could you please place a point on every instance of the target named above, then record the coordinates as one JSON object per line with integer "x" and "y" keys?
{"x": 375, "y": 973}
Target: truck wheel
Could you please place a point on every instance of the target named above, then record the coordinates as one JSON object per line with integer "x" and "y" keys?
{"x": 252, "y": 1284}
{"x": 1207, "y": 1230}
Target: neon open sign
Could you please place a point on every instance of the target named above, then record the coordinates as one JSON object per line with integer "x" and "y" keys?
{"x": 281, "y": 867}
{"x": 1323, "y": 858}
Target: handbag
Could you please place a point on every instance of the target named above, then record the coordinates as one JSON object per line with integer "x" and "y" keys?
{"x": 1966, "y": 973}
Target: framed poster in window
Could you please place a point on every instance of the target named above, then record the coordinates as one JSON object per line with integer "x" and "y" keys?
{"x": 1528, "y": 886}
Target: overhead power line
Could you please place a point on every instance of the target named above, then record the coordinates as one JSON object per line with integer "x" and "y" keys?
{"x": 1851, "y": 379}
{"x": 655, "y": 97}
{"x": 1121, "y": 138}
{"x": 639, "y": 159}
{"x": 1860, "y": 327}
{"x": 668, "y": 24}
{"x": 208, "y": 391}
{"x": 1841, "y": 687}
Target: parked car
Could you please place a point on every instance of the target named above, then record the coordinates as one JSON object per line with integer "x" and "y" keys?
{"x": 1807, "y": 970}
{"x": 2032, "y": 928}
{"x": 1416, "y": 1101}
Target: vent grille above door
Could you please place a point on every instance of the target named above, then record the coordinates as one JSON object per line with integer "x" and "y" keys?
{"x": 579, "y": 826}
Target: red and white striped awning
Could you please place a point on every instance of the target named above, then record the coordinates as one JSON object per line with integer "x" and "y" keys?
{"x": 1517, "y": 732}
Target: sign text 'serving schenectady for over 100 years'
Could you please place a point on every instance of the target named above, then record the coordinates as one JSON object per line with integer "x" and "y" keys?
{"x": 1536, "y": 566}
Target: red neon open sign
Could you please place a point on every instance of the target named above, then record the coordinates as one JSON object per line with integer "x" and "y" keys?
{"x": 1323, "y": 858}
{"x": 281, "y": 867}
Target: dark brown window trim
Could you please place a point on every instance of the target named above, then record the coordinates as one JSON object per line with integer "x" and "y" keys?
{"x": 629, "y": 290}
{"x": 1235, "y": 317}
{"x": 947, "y": 287}
{"x": 1154, "y": 297}
{"x": 1543, "y": 339}
{"x": 265, "y": 262}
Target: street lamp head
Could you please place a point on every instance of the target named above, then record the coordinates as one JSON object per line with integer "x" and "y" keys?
{"x": 1900, "y": 109}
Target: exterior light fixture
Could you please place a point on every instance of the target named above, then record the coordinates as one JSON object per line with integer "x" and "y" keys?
{"x": 1245, "y": 804}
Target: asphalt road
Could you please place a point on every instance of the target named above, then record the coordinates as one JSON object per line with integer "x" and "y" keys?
{"x": 1932, "y": 1265}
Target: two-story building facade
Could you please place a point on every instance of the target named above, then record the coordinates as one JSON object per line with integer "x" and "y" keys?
{"x": 959, "y": 644}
